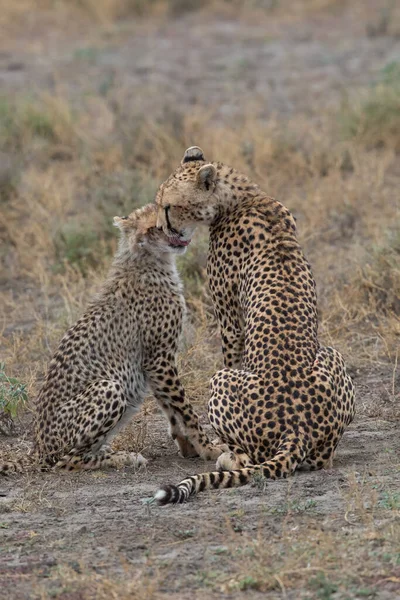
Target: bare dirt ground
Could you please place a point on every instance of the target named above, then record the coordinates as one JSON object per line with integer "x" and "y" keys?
{"x": 325, "y": 535}
{"x": 68, "y": 536}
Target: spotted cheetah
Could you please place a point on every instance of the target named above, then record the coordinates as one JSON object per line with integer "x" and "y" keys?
{"x": 282, "y": 401}
{"x": 125, "y": 342}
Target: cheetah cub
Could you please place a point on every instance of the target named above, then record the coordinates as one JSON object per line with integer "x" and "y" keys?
{"x": 125, "y": 344}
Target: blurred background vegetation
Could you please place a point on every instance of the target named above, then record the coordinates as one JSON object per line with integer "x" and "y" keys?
{"x": 101, "y": 99}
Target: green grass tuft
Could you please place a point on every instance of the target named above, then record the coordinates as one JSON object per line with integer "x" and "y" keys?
{"x": 13, "y": 396}
{"x": 374, "y": 119}
{"x": 78, "y": 246}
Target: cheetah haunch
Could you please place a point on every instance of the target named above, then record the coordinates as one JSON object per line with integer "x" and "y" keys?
{"x": 125, "y": 343}
{"x": 282, "y": 400}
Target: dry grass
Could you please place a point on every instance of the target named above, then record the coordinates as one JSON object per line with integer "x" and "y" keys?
{"x": 26, "y": 14}
{"x": 56, "y": 223}
{"x": 354, "y": 552}
{"x": 311, "y": 559}
{"x": 57, "y": 209}
{"x": 108, "y": 10}
{"x": 81, "y": 581}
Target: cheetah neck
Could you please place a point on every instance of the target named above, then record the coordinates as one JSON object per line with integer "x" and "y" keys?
{"x": 237, "y": 194}
{"x": 232, "y": 187}
{"x": 141, "y": 262}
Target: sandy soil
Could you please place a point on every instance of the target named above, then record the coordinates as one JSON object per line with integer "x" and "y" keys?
{"x": 97, "y": 523}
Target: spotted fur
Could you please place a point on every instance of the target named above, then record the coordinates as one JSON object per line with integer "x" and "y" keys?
{"x": 125, "y": 343}
{"x": 282, "y": 401}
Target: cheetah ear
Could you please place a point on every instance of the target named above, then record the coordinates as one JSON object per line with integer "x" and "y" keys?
{"x": 191, "y": 154}
{"x": 207, "y": 177}
{"x": 122, "y": 222}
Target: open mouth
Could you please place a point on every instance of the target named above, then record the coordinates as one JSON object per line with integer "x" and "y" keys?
{"x": 178, "y": 243}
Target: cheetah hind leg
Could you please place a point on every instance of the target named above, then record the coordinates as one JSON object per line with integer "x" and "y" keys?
{"x": 90, "y": 438}
{"x": 103, "y": 458}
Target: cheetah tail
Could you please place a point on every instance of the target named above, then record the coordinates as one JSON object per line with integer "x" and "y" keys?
{"x": 15, "y": 466}
{"x": 176, "y": 494}
{"x": 19, "y": 465}
{"x": 289, "y": 456}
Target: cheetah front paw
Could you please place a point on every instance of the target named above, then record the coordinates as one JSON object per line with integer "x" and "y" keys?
{"x": 218, "y": 444}
{"x": 212, "y": 452}
{"x": 137, "y": 460}
{"x": 186, "y": 448}
{"x": 227, "y": 462}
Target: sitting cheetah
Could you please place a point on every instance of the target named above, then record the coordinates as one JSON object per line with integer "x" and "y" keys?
{"x": 282, "y": 400}
{"x": 126, "y": 341}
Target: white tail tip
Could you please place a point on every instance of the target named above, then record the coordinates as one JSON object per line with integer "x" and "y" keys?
{"x": 160, "y": 495}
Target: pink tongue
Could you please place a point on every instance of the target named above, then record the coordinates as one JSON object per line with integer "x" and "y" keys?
{"x": 175, "y": 242}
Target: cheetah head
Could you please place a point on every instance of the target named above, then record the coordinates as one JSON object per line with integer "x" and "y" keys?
{"x": 139, "y": 230}
{"x": 188, "y": 197}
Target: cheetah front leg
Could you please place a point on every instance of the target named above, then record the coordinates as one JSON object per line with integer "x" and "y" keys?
{"x": 232, "y": 346}
{"x": 185, "y": 428}
{"x": 230, "y": 318}
{"x": 185, "y": 446}
{"x": 232, "y": 338}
